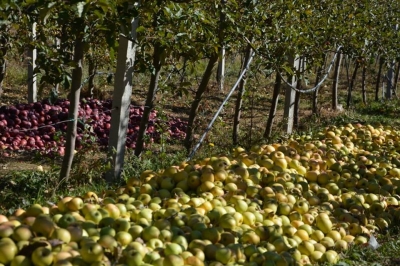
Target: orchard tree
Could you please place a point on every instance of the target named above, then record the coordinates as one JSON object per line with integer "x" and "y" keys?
{"x": 10, "y": 12}
{"x": 207, "y": 44}
{"x": 81, "y": 20}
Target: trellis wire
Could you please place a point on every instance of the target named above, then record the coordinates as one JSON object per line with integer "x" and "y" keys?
{"x": 319, "y": 83}
{"x": 220, "y": 109}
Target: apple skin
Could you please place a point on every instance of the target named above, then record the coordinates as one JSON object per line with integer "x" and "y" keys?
{"x": 91, "y": 252}
{"x": 21, "y": 260}
{"x": 42, "y": 256}
{"x": 8, "y": 250}
{"x": 43, "y": 225}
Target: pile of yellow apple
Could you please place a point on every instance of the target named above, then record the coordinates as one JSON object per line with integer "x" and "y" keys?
{"x": 298, "y": 203}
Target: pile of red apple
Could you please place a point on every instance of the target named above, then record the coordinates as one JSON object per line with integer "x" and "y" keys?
{"x": 40, "y": 126}
{"x": 298, "y": 203}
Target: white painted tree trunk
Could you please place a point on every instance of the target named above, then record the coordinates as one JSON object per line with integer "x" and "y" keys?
{"x": 221, "y": 55}
{"x": 32, "y": 86}
{"x": 221, "y": 69}
{"x": 121, "y": 102}
{"x": 290, "y": 95}
{"x": 335, "y": 84}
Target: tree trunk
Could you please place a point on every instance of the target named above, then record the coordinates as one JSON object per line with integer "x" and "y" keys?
{"x": 2, "y": 74}
{"x": 121, "y": 103}
{"x": 32, "y": 86}
{"x": 3, "y": 61}
{"x": 396, "y": 79}
{"x": 274, "y": 106}
{"x": 335, "y": 84}
{"x": 239, "y": 99}
{"x": 363, "y": 85}
{"x": 221, "y": 36}
{"x": 378, "y": 79}
{"x": 221, "y": 69}
{"x": 389, "y": 80}
{"x": 92, "y": 74}
{"x": 353, "y": 79}
{"x": 151, "y": 93}
{"x": 290, "y": 95}
{"x": 73, "y": 108}
{"x": 298, "y": 94}
{"x": 196, "y": 102}
{"x": 315, "y": 94}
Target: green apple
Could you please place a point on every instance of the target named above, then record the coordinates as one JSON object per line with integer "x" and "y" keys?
{"x": 43, "y": 225}
{"x": 21, "y": 260}
{"x": 324, "y": 223}
{"x": 135, "y": 231}
{"x": 94, "y": 216}
{"x": 224, "y": 256}
{"x": 42, "y": 256}
{"x": 301, "y": 206}
{"x": 76, "y": 232}
{"x": 91, "y": 252}
{"x": 133, "y": 257}
{"x": 75, "y": 204}
{"x": 6, "y": 230}
{"x": 154, "y": 243}
{"x": 173, "y": 260}
{"x": 61, "y": 234}
{"x": 150, "y": 233}
{"x": 66, "y": 220}
{"x": 8, "y": 250}
{"x": 121, "y": 224}
{"x": 113, "y": 210}
{"x": 124, "y": 238}
{"x": 172, "y": 249}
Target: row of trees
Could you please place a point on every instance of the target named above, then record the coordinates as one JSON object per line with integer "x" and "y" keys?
{"x": 155, "y": 37}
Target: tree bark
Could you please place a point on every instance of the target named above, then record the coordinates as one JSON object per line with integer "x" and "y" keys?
{"x": 73, "y": 108}
{"x": 290, "y": 95}
{"x": 92, "y": 73}
{"x": 239, "y": 99}
{"x": 363, "y": 85}
{"x": 2, "y": 74}
{"x": 353, "y": 80}
{"x": 221, "y": 36}
{"x": 335, "y": 84}
{"x": 196, "y": 102}
{"x": 298, "y": 94}
{"x": 31, "y": 54}
{"x": 3, "y": 61}
{"x": 315, "y": 94}
{"x": 396, "y": 78}
{"x": 389, "y": 81}
{"x": 121, "y": 102}
{"x": 378, "y": 79}
{"x": 274, "y": 106}
{"x": 151, "y": 93}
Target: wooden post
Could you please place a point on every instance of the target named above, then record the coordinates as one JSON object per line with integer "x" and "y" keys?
{"x": 32, "y": 86}
{"x": 290, "y": 96}
{"x": 121, "y": 102}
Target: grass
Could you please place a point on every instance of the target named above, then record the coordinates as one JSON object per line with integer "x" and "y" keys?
{"x": 22, "y": 185}
{"x": 387, "y": 254}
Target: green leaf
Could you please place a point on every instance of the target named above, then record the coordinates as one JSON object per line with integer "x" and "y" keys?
{"x": 140, "y": 29}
